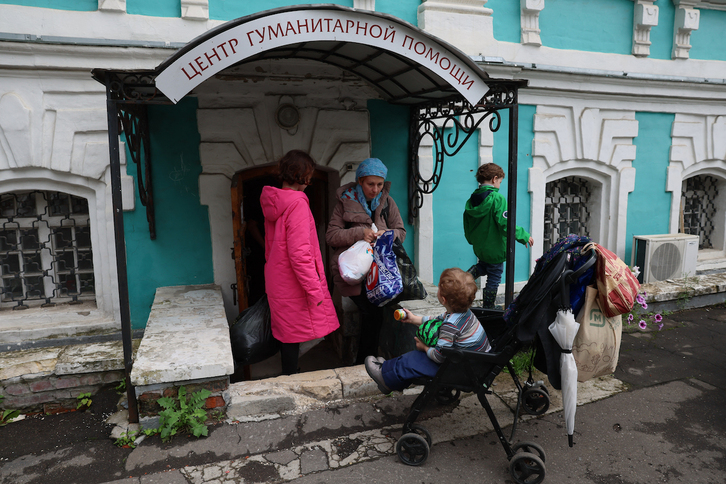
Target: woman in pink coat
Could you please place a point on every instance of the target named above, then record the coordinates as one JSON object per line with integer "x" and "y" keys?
{"x": 300, "y": 303}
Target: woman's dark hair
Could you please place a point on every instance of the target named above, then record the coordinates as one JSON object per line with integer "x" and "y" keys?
{"x": 296, "y": 167}
{"x": 488, "y": 171}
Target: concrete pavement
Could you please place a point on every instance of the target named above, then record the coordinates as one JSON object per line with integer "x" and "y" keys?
{"x": 660, "y": 418}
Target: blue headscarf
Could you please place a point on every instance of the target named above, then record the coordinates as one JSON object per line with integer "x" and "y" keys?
{"x": 367, "y": 167}
{"x": 371, "y": 167}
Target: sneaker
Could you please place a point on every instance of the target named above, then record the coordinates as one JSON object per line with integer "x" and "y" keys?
{"x": 373, "y": 368}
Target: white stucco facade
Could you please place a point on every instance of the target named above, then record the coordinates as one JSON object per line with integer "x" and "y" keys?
{"x": 53, "y": 122}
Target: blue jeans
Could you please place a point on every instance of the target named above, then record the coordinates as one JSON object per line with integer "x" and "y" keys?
{"x": 493, "y": 273}
{"x": 398, "y": 372}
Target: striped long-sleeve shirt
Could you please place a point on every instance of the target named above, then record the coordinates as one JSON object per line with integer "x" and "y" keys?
{"x": 461, "y": 330}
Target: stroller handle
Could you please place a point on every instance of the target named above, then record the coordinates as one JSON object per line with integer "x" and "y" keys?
{"x": 570, "y": 276}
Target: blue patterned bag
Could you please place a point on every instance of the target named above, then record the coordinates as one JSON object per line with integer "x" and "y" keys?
{"x": 383, "y": 282}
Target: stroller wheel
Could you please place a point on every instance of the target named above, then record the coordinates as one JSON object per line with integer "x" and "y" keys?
{"x": 536, "y": 401}
{"x": 423, "y": 432}
{"x": 412, "y": 449}
{"x": 447, "y": 395}
{"x": 527, "y": 468}
{"x": 530, "y": 447}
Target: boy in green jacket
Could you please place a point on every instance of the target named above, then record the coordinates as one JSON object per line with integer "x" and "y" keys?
{"x": 485, "y": 227}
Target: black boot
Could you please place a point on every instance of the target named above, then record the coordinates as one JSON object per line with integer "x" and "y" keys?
{"x": 488, "y": 298}
{"x": 475, "y": 271}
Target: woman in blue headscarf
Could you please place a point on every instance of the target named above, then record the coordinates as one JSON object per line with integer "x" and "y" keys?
{"x": 360, "y": 204}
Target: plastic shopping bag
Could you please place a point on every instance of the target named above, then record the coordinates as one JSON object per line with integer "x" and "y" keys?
{"x": 251, "y": 335}
{"x": 355, "y": 262}
{"x": 383, "y": 283}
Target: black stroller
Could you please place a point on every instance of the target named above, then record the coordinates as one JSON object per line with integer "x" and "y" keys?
{"x": 469, "y": 371}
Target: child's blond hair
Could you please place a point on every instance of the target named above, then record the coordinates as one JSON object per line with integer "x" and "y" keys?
{"x": 458, "y": 288}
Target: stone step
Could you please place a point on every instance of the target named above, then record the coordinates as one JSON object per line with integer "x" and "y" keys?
{"x": 18, "y": 327}
{"x": 49, "y": 379}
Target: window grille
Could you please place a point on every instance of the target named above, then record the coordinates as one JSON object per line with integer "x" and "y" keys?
{"x": 698, "y": 196}
{"x": 45, "y": 249}
{"x": 566, "y": 209}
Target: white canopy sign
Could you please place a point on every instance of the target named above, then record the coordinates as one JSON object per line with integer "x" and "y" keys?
{"x": 278, "y": 30}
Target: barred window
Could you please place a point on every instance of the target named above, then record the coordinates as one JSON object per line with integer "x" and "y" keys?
{"x": 45, "y": 249}
{"x": 566, "y": 209}
{"x": 698, "y": 208}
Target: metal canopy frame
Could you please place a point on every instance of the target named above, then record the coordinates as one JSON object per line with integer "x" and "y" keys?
{"x": 438, "y": 111}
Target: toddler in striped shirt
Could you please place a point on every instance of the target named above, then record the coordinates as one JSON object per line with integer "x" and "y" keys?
{"x": 459, "y": 328}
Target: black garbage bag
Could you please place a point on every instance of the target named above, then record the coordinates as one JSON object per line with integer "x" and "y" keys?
{"x": 251, "y": 335}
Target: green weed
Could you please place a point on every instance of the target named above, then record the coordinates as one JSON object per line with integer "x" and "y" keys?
{"x": 6, "y": 416}
{"x": 182, "y": 415}
{"x": 521, "y": 362}
{"x": 127, "y": 439}
{"x": 84, "y": 400}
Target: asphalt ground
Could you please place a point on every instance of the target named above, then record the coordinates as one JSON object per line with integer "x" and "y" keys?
{"x": 668, "y": 426}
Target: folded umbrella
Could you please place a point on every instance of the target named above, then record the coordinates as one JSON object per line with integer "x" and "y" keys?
{"x": 564, "y": 329}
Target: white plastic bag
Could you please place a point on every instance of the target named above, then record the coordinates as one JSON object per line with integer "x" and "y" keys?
{"x": 355, "y": 262}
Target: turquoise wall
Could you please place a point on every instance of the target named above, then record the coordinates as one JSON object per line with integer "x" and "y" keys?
{"x": 457, "y": 182}
{"x": 403, "y": 9}
{"x": 77, "y": 5}
{"x": 589, "y": 25}
{"x": 232, "y": 9}
{"x": 708, "y": 41}
{"x": 651, "y": 164}
{"x": 182, "y": 251}
{"x": 157, "y": 8}
{"x": 389, "y": 143}
{"x": 506, "y": 16}
{"x": 661, "y": 36}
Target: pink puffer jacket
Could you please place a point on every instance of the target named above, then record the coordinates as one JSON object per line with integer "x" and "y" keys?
{"x": 300, "y": 302}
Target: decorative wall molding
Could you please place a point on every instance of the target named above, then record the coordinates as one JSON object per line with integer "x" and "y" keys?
{"x": 704, "y": 4}
{"x": 195, "y": 9}
{"x": 365, "y": 5}
{"x": 686, "y": 21}
{"x": 698, "y": 146}
{"x": 467, "y": 24}
{"x": 71, "y": 130}
{"x": 645, "y": 17}
{"x": 112, "y": 6}
{"x": 464, "y": 7}
{"x": 98, "y": 195}
{"x": 591, "y": 143}
{"x": 424, "y": 243}
{"x": 530, "y": 21}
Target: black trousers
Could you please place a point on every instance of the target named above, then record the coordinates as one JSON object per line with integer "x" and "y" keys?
{"x": 371, "y": 319}
{"x": 289, "y": 353}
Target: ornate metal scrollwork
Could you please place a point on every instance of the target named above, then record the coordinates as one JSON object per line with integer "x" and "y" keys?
{"x": 135, "y": 87}
{"x": 450, "y": 124}
{"x": 135, "y": 124}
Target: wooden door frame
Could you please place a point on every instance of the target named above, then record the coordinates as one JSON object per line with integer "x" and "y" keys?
{"x": 329, "y": 176}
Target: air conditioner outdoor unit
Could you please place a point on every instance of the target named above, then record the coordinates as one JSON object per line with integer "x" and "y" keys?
{"x": 668, "y": 256}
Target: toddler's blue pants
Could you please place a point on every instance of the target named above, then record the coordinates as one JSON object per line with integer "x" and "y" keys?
{"x": 398, "y": 372}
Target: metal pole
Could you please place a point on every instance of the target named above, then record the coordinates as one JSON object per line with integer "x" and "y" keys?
{"x": 118, "y": 225}
{"x": 511, "y": 203}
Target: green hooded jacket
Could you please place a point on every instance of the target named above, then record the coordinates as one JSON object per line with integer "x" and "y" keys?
{"x": 485, "y": 225}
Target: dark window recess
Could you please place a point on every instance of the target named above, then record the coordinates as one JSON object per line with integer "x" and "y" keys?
{"x": 45, "y": 249}
{"x": 566, "y": 209}
{"x": 698, "y": 204}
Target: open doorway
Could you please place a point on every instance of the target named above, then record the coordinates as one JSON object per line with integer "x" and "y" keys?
{"x": 249, "y": 255}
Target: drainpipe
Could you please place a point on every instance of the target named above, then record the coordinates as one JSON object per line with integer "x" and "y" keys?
{"x": 118, "y": 225}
